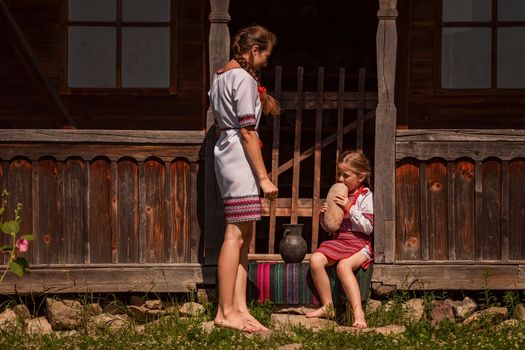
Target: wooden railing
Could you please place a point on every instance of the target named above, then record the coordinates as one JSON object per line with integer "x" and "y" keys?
{"x": 353, "y": 112}
{"x": 105, "y": 196}
{"x": 460, "y": 195}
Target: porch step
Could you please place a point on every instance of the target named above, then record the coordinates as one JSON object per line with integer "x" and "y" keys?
{"x": 284, "y": 283}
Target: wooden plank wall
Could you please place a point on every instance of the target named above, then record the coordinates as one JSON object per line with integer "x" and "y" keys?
{"x": 460, "y": 195}
{"x": 421, "y": 103}
{"x": 40, "y": 23}
{"x": 110, "y": 202}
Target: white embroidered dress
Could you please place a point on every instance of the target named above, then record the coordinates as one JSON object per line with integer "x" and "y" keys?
{"x": 235, "y": 104}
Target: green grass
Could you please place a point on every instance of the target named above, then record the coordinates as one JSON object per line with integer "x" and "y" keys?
{"x": 173, "y": 333}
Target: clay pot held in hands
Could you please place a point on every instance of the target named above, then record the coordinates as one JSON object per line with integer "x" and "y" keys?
{"x": 333, "y": 217}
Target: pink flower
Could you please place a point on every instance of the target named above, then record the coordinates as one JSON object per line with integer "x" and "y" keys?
{"x": 22, "y": 244}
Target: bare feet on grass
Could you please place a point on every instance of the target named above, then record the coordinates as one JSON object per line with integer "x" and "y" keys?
{"x": 325, "y": 311}
{"x": 359, "y": 320}
{"x": 252, "y": 320}
{"x": 236, "y": 321}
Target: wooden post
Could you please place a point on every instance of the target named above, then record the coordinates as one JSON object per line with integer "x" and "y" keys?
{"x": 219, "y": 54}
{"x": 385, "y": 138}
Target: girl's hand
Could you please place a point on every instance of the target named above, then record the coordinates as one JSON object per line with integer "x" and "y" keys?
{"x": 323, "y": 208}
{"x": 269, "y": 189}
{"x": 342, "y": 201}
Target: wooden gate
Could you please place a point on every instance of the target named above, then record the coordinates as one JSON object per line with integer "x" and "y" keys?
{"x": 321, "y": 124}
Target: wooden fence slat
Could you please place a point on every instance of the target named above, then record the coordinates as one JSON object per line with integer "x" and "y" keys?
{"x": 114, "y": 213}
{"x": 100, "y": 211}
{"x": 407, "y": 213}
{"x": 505, "y": 224}
{"x": 450, "y": 213}
{"x": 128, "y": 211}
{"x": 361, "y": 108}
{"x": 326, "y": 141}
{"x": 73, "y": 201}
{"x": 517, "y": 210}
{"x": 437, "y": 210}
{"x": 423, "y": 210}
{"x": 297, "y": 146}
{"x": 142, "y": 213}
{"x": 340, "y": 117}
{"x": 4, "y": 166}
{"x": 19, "y": 175}
{"x": 181, "y": 228}
{"x": 169, "y": 215}
{"x": 275, "y": 164}
{"x": 195, "y": 231}
{"x": 48, "y": 212}
{"x": 154, "y": 181}
{"x": 87, "y": 212}
{"x": 490, "y": 239}
{"x": 478, "y": 185}
{"x": 317, "y": 159}
{"x": 464, "y": 215}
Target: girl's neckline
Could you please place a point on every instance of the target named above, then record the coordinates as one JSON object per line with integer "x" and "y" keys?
{"x": 233, "y": 64}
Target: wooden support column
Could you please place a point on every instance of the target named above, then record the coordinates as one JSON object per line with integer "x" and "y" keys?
{"x": 219, "y": 54}
{"x": 385, "y": 137}
{"x": 50, "y": 98}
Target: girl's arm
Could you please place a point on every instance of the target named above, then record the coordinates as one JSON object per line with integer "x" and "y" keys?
{"x": 252, "y": 147}
{"x": 362, "y": 214}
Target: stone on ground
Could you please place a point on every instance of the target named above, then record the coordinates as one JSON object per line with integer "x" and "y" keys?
{"x": 495, "y": 312}
{"x": 38, "y": 325}
{"x": 296, "y": 310}
{"x": 390, "y": 330}
{"x": 191, "y": 309}
{"x": 293, "y": 346}
{"x": 373, "y": 305}
{"x": 509, "y": 323}
{"x": 112, "y": 323}
{"x": 22, "y": 312}
{"x": 464, "y": 308}
{"x": 415, "y": 309}
{"x": 315, "y": 324}
{"x": 8, "y": 320}
{"x": 141, "y": 313}
{"x": 154, "y": 304}
{"x": 64, "y": 314}
{"x": 441, "y": 310}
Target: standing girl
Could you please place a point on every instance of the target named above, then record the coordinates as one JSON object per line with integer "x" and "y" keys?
{"x": 237, "y": 100}
{"x": 351, "y": 246}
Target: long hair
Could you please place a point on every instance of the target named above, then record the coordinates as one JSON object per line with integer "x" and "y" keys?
{"x": 245, "y": 39}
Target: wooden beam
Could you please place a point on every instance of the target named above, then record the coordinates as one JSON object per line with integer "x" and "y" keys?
{"x": 219, "y": 54}
{"x": 109, "y": 278}
{"x": 52, "y": 101}
{"x": 102, "y": 136}
{"x": 473, "y": 135}
{"x": 384, "y": 171}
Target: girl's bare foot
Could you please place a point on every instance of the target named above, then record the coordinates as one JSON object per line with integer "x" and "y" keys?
{"x": 359, "y": 320}
{"x": 247, "y": 316}
{"x": 235, "y": 321}
{"x": 326, "y": 311}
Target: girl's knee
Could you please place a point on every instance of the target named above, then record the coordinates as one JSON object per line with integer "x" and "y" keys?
{"x": 344, "y": 267}
{"x": 317, "y": 260}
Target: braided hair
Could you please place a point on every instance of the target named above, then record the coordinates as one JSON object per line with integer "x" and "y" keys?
{"x": 245, "y": 39}
{"x": 359, "y": 164}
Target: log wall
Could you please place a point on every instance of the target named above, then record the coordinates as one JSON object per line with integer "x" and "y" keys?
{"x": 460, "y": 195}
{"x": 105, "y": 197}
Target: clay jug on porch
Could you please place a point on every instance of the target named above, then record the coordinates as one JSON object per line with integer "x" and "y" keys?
{"x": 293, "y": 246}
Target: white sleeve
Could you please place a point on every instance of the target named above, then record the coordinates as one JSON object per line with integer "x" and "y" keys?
{"x": 244, "y": 98}
{"x": 362, "y": 214}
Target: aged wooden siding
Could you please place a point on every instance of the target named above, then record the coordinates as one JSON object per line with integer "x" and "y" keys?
{"x": 120, "y": 203}
{"x": 40, "y": 23}
{"x": 421, "y": 105}
{"x": 469, "y": 189}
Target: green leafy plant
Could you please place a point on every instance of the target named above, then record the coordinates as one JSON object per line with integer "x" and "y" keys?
{"x": 19, "y": 244}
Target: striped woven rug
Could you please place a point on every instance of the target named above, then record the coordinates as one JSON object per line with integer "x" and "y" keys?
{"x": 284, "y": 283}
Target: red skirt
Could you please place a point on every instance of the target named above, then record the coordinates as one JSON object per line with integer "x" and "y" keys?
{"x": 345, "y": 245}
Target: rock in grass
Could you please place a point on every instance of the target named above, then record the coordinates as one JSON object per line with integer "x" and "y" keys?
{"x": 38, "y": 325}
{"x": 293, "y": 346}
{"x": 390, "y": 330}
{"x": 441, "y": 310}
{"x": 191, "y": 309}
{"x": 154, "y": 304}
{"x": 8, "y": 320}
{"x": 373, "y": 305}
{"x": 333, "y": 217}
{"x": 465, "y": 307}
{"x": 113, "y": 323}
{"x": 315, "y": 324}
{"x": 520, "y": 312}
{"x": 141, "y": 313}
{"x": 22, "y": 312}
{"x": 64, "y": 314}
{"x": 496, "y": 313}
{"x": 415, "y": 309}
